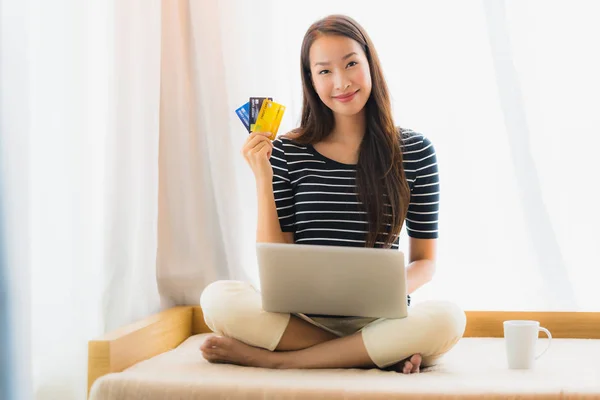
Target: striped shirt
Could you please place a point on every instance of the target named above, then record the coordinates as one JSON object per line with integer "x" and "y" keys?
{"x": 316, "y": 197}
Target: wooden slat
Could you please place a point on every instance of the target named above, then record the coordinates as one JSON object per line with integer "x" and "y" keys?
{"x": 139, "y": 341}
{"x": 198, "y": 324}
{"x": 577, "y": 325}
{"x": 490, "y": 323}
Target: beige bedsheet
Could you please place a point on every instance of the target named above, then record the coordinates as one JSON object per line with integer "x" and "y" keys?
{"x": 474, "y": 369}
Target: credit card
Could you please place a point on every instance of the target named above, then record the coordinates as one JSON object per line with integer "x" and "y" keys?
{"x": 269, "y": 118}
{"x": 243, "y": 114}
{"x": 255, "y": 105}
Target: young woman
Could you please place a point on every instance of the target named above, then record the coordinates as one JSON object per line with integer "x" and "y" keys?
{"x": 346, "y": 177}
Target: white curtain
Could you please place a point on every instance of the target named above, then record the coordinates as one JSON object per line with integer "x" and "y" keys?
{"x": 14, "y": 201}
{"x": 203, "y": 232}
{"x": 80, "y": 129}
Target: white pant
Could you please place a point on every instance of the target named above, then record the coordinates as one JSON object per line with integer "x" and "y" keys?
{"x": 234, "y": 309}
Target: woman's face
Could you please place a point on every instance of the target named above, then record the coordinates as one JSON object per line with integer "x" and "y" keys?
{"x": 340, "y": 74}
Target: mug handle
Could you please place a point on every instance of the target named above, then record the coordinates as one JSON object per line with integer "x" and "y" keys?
{"x": 547, "y": 332}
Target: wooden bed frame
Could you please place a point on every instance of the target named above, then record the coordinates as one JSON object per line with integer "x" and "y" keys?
{"x": 165, "y": 330}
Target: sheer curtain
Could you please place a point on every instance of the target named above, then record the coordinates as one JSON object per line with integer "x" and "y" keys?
{"x": 80, "y": 95}
{"x": 204, "y": 234}
{"x": 15, "y": 200}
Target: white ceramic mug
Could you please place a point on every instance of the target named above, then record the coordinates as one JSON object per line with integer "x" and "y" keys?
{"x": 520, "y": 337}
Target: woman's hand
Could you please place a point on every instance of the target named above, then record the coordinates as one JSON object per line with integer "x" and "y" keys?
{"x": 257, "y": 151}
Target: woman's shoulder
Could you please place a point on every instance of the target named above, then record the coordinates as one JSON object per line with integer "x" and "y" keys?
{"x": 412, "y": 140}
{"x": 289, "y": 140}
{"x": 408, "y": 135}
{"x": 291, "y": 136}
{"x": 284, "y": 138}
{"x": 287, "y": 144}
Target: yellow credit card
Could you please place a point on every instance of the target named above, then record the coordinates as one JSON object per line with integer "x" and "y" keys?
{"x": 269, "y": 118}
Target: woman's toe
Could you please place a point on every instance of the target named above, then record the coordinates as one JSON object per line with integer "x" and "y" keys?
{"x": 209, "y": 343}
{"x": 416, "y": 362}
{"x": 208, "y": 355}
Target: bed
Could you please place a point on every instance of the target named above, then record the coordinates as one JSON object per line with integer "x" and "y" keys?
{"x": 158, "y": 358}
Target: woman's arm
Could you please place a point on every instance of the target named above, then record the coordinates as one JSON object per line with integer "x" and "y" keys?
{"x": 422, "y": 217}
{"x": 421, "y": 266}
{"x": 268, "y": 229}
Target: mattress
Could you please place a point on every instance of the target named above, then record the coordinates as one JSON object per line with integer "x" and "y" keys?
{"x": 475, "y": 369}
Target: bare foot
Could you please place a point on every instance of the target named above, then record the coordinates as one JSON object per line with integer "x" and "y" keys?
{"x": 221, "y": 349}
{"x": 411, "y": 365}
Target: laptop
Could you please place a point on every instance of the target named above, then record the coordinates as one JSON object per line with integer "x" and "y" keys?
{"x": 332, "y": 280}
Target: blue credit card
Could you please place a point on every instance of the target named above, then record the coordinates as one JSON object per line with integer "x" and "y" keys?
{"x": 243, "y": 114}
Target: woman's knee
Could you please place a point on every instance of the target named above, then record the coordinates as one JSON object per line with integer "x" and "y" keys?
{"x": 234, "y": 309}
{"x": 447, "y": 319}
{"x": 219, "y": 293}
{"x": 226, "y": 302}
{"x": 432, "y": 328}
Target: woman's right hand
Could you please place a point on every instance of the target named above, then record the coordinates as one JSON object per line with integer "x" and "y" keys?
{"x": 257, "y": 152}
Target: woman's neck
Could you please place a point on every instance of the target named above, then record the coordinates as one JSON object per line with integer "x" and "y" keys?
{"x": 349, "y": 130}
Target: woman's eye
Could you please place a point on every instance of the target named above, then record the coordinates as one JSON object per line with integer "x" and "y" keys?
{"x": 324, "y": 72}
{"x": 352, "y": 63}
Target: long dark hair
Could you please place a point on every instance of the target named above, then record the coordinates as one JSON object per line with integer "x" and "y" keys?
{"x": 379, "y": 172}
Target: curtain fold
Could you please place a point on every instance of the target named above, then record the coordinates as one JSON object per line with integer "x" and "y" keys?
{"x": 202, "y": 232}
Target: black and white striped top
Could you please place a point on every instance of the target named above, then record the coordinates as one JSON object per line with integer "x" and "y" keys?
{"x": 316, "y": 197}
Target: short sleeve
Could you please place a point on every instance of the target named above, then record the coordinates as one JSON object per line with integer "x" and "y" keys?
{"x": 423, "y": 210}
{"x": 282, "y": 188}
